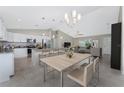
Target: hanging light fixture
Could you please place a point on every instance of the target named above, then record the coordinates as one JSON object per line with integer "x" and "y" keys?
{"x": 73, "y": 18}
{"x": 43, "y": 34}
{"x": 66, "y": 18}
{"x": 53, "y": 36}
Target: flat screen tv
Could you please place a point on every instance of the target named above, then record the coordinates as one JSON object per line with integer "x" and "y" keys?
{"x": 67, "y": 44}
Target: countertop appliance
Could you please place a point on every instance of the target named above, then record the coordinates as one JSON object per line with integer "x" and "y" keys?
{"x": 31, "y": 40}
{"x": 29, "y": 50}
{"x": 1, "y": 48}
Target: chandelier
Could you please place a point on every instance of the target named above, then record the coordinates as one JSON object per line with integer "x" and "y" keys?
{"x": 73, "y": 18}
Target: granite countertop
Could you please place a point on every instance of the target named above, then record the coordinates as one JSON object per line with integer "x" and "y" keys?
{"x": 5, "y": 52}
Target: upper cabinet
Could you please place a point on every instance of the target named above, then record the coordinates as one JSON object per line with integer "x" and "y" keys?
{"x": 18, "y": 37}
{"x": 3, "y": 32}
{"x": 10, "y": 37}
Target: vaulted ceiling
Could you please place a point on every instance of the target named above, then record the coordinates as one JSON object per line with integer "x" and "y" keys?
{"x": 44, "y": 17}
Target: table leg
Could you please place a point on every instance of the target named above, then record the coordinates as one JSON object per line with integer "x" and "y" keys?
{"x": 89, "y": 60}
{"x": 61, "y": 82}
{"x": 44, "y": 72}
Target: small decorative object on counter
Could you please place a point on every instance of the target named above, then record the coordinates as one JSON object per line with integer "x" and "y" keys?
{"x": 39, "y": 46}
{"x": 69, "y": 52}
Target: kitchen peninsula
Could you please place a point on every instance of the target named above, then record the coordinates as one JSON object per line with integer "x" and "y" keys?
{"x": 35, "y": 55}
{"x": 6, "y": 65}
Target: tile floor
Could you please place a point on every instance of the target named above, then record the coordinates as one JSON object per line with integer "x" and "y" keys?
{"x": 27, "y": 75}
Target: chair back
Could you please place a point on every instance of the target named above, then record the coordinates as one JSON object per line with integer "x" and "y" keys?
{"x": 45, "y": 50}
{"x": 97, "y": 52}
{"x": 95, "y": 64}
{"x": 88, "y": 73}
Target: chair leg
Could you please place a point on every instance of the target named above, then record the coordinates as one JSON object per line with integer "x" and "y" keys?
{"x": 98, "y": 71}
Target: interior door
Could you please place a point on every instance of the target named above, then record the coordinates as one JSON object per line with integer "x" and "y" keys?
{"x": 116, "y": 46}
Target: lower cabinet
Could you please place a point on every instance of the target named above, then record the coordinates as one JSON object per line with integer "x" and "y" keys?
{"x": 6, "y": 66}
{"x": 20, "y": 52}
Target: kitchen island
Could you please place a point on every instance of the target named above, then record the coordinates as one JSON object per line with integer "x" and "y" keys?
{"x": 20, "y": 52}
{"x": 35, "y": 56}
{"x": 6, "y": 65}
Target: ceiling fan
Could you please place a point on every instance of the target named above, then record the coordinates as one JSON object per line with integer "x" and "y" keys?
{"x": 78, "y": 34}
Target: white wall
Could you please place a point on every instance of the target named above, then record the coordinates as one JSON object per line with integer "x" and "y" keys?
{"x": 122, "y": 46}
{"x": 66, "y": 38}
{"x": 106, "y": 45}
{"x": 99, "y": 22}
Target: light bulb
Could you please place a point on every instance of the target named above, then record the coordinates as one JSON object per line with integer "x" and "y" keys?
{"x": 61, "y": 37}
{"x": 66, "y": 16}
{"x": 74, "y": 13}
{"x": 79, "y": 16}
{"x": 43, "y": 34}
{"x": 53, "y": 36}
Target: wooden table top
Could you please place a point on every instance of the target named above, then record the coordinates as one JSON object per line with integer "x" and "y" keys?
{"x": 62, "y": 62}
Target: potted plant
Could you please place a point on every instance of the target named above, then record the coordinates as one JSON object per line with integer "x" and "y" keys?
{"x": 69, "y": 52}
{"x": 88, "y": 44}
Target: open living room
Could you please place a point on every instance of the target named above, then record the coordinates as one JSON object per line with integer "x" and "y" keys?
{"x": 61, "y": 46}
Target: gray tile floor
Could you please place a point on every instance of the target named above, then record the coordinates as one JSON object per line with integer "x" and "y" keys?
{"x": 29, "y": 76}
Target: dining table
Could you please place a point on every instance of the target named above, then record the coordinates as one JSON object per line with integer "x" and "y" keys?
{"x": 63, "y": 62}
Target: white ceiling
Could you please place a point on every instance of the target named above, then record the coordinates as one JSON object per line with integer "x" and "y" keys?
{"x": 30, "y": 17}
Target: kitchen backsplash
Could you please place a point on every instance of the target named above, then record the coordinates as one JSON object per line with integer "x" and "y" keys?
{"x": 0, "y": 43}
{"x": 17, "y": 44}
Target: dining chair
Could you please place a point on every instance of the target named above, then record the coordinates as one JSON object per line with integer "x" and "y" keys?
{"x": 96, "y": 70}
{"x": 47, "y": 53}
{"x": 83, "y": 75}
{"x": 43, "y": 54}
{"x": 55, "y": 51}
{"x": 61, "y": 51}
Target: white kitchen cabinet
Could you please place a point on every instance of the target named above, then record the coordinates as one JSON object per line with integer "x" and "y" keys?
{"x": 10, "y": 37}
{"x": 39, "y": 39}
{"x": 3, "y": 32}
{"x": 20, "y": 52}
{"x": 6, "y": 66}
{"x": 22, "y": 37}
{"x": 17, "y": 37}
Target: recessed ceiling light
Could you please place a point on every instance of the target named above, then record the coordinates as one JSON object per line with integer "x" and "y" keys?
{"x": 19, "y": 20}
{"x": 43, "y": 34}
{"x": 53, "y": 36}
{"x": 61, "y": 37}
{"x": 43, "y": 18}
{"x": 36, "y": 25}
{"x": 79, "y": 34}
{"x": 53, "y": 19}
